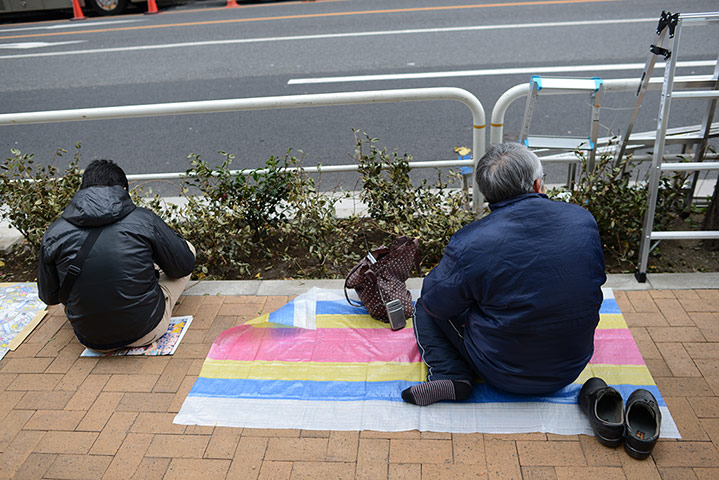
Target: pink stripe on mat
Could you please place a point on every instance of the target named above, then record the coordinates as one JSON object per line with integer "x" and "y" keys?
{"x": 321, "y": 345}
{"x": 615, "y": 347}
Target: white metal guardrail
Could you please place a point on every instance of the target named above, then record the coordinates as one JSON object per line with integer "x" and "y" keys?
{"x": 277, "y": 102}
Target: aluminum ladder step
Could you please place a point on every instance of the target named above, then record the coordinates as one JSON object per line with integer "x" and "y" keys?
{"x": 556, "y": 83}
{"x": 686, "y": 235}
{"x": 695, "y": 94}
{"x": 563, "y": 143}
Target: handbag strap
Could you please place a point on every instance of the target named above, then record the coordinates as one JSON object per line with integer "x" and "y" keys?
{"x": 369, "y": 273}
{"x": 75, "y": 268}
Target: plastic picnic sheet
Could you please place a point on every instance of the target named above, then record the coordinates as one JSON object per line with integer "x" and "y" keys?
{"x": 342, "y": 370}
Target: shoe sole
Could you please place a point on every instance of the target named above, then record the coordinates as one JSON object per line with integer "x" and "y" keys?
{"x": 608, "y": 442}
{"x": 636, "y": 453}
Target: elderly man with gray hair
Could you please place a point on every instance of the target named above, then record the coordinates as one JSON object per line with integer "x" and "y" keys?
{"x": 515, "y": 299}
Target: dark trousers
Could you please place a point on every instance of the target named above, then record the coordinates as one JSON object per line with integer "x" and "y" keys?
{"x": 441, "y": 344}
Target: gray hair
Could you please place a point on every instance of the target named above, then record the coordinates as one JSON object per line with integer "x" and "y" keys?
{"x": 507, "y": 170}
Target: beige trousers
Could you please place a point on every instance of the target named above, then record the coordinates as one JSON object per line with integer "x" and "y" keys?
{"x": 172, "y": 288}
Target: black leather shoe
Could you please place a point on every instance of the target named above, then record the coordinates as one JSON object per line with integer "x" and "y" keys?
{"x": 604, "y": 407}
{"x": 642, "y": 421}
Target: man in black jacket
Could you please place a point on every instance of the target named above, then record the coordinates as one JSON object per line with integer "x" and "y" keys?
{"x": 133, "y": 274}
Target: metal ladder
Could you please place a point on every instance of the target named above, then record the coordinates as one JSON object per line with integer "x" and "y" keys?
{"x": 553, "y": 85}
{"x": 672, "y": 24}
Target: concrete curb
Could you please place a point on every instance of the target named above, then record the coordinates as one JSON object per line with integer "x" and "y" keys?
{"x": 655, "y": 281}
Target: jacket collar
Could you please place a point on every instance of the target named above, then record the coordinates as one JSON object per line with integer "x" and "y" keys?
{"x": 518, "y": 198}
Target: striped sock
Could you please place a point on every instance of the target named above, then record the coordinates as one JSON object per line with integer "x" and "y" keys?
{"x": 436, "y": 390}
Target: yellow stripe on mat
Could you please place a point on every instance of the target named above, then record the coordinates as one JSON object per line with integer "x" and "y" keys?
{"x": 331, "y": 321}
{"x": 611, "y": 320}
{"x": 617, "y": 374}
{"x": 318, "y": 371}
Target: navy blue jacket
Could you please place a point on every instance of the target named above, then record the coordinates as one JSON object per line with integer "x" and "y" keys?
{"x": 527, "y": 279}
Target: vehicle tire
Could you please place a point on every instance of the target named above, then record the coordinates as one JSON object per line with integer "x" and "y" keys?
{"x": 108, "y": 7}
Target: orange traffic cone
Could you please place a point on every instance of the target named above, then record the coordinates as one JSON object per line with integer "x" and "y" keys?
{"x": 151, "y": 7}
{"x": 77, "y": 11}
{"x": 232, "y": 4}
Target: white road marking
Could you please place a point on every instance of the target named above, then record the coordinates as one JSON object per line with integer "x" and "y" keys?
{"x": 495, "y": 71}
{"x": 69, "y": 25}
{"x": 334, "y": 35}
{"x": 29, "y": 45}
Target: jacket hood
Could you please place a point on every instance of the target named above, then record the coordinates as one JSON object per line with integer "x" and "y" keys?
{"x": 96, "y": 206}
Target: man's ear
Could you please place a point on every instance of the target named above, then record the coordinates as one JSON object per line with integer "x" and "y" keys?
{"x": 538, "y": 186}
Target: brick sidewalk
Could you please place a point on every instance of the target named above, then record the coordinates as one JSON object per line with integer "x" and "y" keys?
{"x": 73, "y": 418}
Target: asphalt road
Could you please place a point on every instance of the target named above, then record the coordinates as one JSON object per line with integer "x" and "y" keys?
{"x": 201, "y": 51}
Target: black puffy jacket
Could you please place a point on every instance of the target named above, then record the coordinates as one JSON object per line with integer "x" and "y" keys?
{"x": 117, "y": 298}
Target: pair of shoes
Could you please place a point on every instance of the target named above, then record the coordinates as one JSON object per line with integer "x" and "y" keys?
{"x": 637, "y": 424}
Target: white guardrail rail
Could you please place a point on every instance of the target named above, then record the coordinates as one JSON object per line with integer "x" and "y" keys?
{"x": 277, "y": 102}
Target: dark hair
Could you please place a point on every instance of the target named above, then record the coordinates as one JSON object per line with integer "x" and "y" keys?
{"x": 103, "y": 173}
{"x": 507, "y": 170}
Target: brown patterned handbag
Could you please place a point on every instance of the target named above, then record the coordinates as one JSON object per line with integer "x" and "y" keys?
{"x": 380, "y": 277}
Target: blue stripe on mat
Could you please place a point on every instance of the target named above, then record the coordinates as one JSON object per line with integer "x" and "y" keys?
{"x": 609, "y": 305}
{"x": 357, "y": 391}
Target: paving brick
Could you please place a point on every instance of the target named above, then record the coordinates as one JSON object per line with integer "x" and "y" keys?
{"x": 624, "y": 304}
{"x": 275, "y": 470}
{"x": 223, "y": 443}
{"x": 315, "y": 433}
{"x": 155, "y": 422}
{"x": 459, "y": 472}
{"x": 114, "y": 433}
{"x": 562, "y": 438}
{"x": 6, "y": 378}
{"x": 271, "y": 432}
{"x": 372, "y": 458}
{"x": 249, "y": 310}
{"x": 248, "y": 457}
{"x": 80, "y": 467}
{"x": 77, "y": 373}
{"x": 605, "y": 473}
{"x": 323, "y": 470}
{"x": 188, "y": 306}
{"x": 54, "y": 420}
{"x": 661, "y": 294}
{"x": 672, "y": 310}
{"x": 26, "y": 365}
{"x": 502, "y": 459}
{"x": 686, "y": 454}
{"x": 657, "y": 367}
{"x": 468, "y": 448}
{"x": 46, "y": 330}
{"x": 644, "y": 469}
{"x": 34, "y": 381}
{"x": 678, "y": 360}
{"x": 642, "y": 301}
{"x": 711, "y": 293}
{"x": 706, "y": 473}
{"x": 151, "y": 469}
{"x": 13, "y": 422}
{"x": 66, "y": 358}
{"x": 204, "y": 316}
{"x": 645, "y": 343}
{"x": 705, "y": 406}
{"x": 686, "y": 419}
{"x": 683, "y": 386}
{"x": 708, "y": 323}
{"x": 685, "y": 294}
{"x": 677, "y": 473}
{"x": 297, "y": 449}
{"x": 54, "y": 345}
{"x": 145, "y": 402}
{"x": 178, "y": 446}
{"x": 41, "y": 400}
{"x": 676, "y": 334}
{"x": 409, "y": 435}
{"x": 100, "y": 411}
{"x": 342, "y": 447}
{"x": 596, "y": 454}
{"x": 703, "y": 350}
{"x": 199, "y": 430}
{"x": 420, "y": 451}
{"x": 189, "y": 350}
{"x": 644, "y": 319}
{"x": 711, "y": 427}
{"x": 128, "y": 457}
{"x": 179, "y": 398}
{"x": 87, "y": 392}
{"x": 404, "y": 471}
{"x": 273, "y": 303}
{"x": 701, "y": 305}
{"x": 530, "y": 437}
{"x": 25, "y": 350}
{"x": 8, "y": 400}
{"x": 154, "y": 365}
{"x": 539, "y": 473}
{"x": 192, "y": 468}
{"x": 119, "y": 365}
{"x": 35, "y": 466}
{"x": 435, "y": 436}
{"x": 131, "y": 383}
{"x": 17, "y": 452}
{"x": 173, "y": 375}
{"x": 66, "y": 442}
{"x": 550, "y": 454}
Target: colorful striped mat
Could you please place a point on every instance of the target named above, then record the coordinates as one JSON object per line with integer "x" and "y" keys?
{"x": 344, "y": 371}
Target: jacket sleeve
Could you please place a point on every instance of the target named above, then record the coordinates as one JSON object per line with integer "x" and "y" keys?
{"x": 48, "y": 283}
{"x": 444, "y": 290}
{"x": 170, "y": 250}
